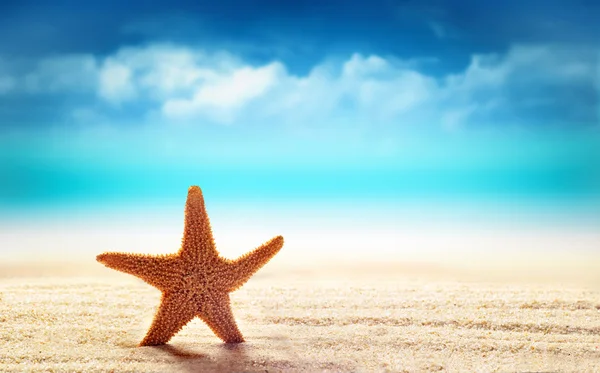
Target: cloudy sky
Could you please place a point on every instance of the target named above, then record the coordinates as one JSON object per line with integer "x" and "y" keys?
{"x": 461, "y": 102}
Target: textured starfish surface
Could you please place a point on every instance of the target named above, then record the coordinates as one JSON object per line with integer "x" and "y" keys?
{"x": 196, "y": 281}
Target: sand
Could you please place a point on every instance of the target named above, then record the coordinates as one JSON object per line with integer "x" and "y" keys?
{"x": 392, "y": 317}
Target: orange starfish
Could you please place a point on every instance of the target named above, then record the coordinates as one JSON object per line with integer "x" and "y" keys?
{"x": 196, "y": 281}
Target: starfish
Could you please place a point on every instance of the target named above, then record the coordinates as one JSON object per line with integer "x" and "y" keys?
{"x": 196, "y": 281}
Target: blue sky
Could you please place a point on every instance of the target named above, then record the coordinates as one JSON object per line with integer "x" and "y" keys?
{"x": 109, "y": 103}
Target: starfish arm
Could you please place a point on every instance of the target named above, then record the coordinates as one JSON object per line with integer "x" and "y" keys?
{"x": 241, "y": 269}
{"x": 158, "y": 271}
{"x": 174, "y": 312}
{"x": 198, "y": 244}
{"x": 217, "y": 314}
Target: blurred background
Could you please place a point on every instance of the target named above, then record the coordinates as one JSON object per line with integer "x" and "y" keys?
{"x": 431, "y": 131}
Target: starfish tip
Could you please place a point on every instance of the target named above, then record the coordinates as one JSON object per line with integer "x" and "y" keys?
{"x": 101, "y": 257}
{"x": 194, "y": 189}
{"x": 108, "y": 259}
{"x": 278, "y": 240}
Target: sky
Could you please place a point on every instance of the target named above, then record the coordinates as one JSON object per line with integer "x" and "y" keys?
{"x": 385, "y": 106}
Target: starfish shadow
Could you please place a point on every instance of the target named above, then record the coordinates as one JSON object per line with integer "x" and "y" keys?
{"x": 180, "y": 353}
{"x": 229, "y": 357}
{"x": 232, "y": 356}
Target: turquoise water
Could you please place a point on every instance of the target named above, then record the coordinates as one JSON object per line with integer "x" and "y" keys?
{"x": 419, "y": 197}
{"x": 556, "y": 173}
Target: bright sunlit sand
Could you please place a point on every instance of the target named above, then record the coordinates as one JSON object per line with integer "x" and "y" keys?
{"x": 352, "y": 316}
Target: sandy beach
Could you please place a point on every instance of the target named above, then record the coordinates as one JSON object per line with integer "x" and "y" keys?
{"x": 394, "y": 317}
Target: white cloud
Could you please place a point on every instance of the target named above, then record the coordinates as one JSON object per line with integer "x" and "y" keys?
{"x": 386, "y": 89}
{"x": 241, "y": 86}
{"x": 189, "y": 84}
{"x": 181, "y": 83}
{"x": 221, "y": 95}
{"x": 497, "y": 88}
{"x": 359, "y": 66}
{"x": 184, "y": 83}
{"x": 116, "y": 83}
{"x": 162, "y": 71}
{"x": 361, "y": 88}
